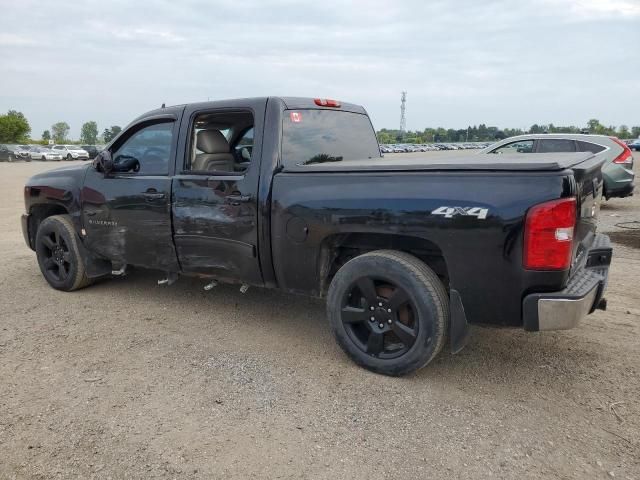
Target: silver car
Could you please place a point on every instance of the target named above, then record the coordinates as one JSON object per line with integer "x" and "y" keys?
{"x": 43, "y": 153}
{"x": 72, "y": 152}
{"x": 618, "y": 168}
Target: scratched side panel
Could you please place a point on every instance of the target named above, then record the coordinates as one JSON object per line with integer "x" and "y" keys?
{"x": 215, "y": 237}
{"x": 125, "y": 226}
{"x": 483, "y": 255}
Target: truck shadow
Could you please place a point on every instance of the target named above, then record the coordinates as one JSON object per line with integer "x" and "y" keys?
{"x": 494, "y": 357}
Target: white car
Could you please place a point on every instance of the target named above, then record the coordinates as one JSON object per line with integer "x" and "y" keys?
{"x": 72, "y": 152}
{"x": 42, "y": 153}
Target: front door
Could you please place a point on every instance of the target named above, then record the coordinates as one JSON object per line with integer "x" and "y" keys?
{"x": 215, "y": 206}
{"x": 126, "y": 214}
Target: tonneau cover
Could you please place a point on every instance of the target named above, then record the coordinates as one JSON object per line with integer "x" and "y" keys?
{"x": 515, "y": 162}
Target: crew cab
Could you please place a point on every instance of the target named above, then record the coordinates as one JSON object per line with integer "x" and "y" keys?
{"x": 293, "y": 193}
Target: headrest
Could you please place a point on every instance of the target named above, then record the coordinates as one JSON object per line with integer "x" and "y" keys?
{"x": 212, "y": 141}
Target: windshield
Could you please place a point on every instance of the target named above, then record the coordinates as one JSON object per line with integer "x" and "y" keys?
{"x": 318, "y": 136}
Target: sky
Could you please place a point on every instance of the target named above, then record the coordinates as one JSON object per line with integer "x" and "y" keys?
{"x": 504, "y": 63}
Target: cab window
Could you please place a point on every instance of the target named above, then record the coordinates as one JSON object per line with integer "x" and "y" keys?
{"x": 146, "y": 152}
{"x": 221, "y": 141}
{"x": 520, "y": 146}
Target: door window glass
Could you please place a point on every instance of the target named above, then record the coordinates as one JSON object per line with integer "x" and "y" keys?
{"x": 221, "y": 142}
{"x": 146, "y": 152}
{"x": 521, "y": 146}
{"x": 244, "y": 146}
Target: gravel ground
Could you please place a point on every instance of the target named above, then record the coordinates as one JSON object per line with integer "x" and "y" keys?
{"x": 130, "y": 380}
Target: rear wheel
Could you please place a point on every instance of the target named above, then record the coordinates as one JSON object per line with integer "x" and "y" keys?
{"x": 389, "y": 311}
{"x": 10, "y": 158}
{"x": 59, "y": 255}
{"x": 69, "y": 157}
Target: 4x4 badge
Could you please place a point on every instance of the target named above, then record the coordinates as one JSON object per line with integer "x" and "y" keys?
{"x": 450, "y": 212}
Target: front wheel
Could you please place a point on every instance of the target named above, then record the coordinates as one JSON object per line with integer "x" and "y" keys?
{"x": 58, "y": 252}
{"x": 69, "y": 157}
{"x": 389, "y": 311}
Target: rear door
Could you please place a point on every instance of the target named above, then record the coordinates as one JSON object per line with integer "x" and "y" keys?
{"x": 126, "y": 214}
{"x": 215, "y": 213}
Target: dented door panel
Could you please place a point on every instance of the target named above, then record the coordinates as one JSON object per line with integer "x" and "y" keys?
{"x": 127, "y": 219}
{"x": 215, "y": 232}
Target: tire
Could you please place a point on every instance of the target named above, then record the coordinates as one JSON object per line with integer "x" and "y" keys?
{"x": 69, "y": 157}
{"x": 58, "y": 253}
{"x": 44, "y": 159}
{"x": 386, "y": 278}
{"x": 10, "y": 158}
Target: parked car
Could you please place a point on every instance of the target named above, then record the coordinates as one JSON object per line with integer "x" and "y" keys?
{"x": 618, "y": 166}
{"x": 10, "y": 153}
{"x": 92, "y": 150}
{"x": 406, "y": 251}
{"x": 43, "y": 153}
{"x": 72, "y": 152}
{"x": 635, "y": 145}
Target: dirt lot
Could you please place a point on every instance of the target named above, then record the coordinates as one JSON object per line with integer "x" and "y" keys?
{"x": 130, "y": 380}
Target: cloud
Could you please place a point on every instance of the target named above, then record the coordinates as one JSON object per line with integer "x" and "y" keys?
{"x": 498, "y": 62}
{"x": 595, "y": 9}
{"x": 15, "y": 40}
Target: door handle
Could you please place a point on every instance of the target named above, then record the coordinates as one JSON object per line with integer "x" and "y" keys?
{"x": 237, "y": 199}
{"x": 153, "y": 195}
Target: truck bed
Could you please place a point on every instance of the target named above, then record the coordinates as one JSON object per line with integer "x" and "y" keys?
{"x": 515, "y": 162}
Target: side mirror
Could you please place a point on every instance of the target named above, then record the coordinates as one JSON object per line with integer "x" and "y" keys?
{"x": 103, "y": 162}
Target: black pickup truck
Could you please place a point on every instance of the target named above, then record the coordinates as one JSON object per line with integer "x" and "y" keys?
{"x": 292, "y": 193}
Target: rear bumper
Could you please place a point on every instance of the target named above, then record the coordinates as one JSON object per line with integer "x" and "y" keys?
{"x": 583, "y": 294}
{"x": 625, "y": 190}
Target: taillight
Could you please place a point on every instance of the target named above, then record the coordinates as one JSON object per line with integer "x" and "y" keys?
{"x": 325, "y": 102}
{"x": 626, "y": 156}
{"x": 548, "y": 235}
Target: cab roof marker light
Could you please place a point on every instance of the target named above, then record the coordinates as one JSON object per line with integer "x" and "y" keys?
{"x": 326, "y": 102}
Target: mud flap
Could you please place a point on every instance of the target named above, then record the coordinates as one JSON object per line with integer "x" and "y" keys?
{"x": 459, "y": 328}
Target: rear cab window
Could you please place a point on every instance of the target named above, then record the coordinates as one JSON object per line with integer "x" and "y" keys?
{"x": 320, "y": 136}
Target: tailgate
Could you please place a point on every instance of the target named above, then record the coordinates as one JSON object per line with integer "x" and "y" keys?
{"x": 587, "y": 184}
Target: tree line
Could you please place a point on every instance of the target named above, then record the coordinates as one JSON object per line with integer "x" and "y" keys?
{"x": 483, "y": 133}
{"x": 15, "y": 128}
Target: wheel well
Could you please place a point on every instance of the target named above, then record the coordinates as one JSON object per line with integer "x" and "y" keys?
{"x": 337, "y": 250}
{"x": 39, "y": 213}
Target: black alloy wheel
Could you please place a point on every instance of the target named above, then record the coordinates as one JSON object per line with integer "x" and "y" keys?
{"x": 56, "y": 256}
{"x": 379, "y": 317}
{"x": 58, "y": 252}
{"x": 389, "y": 311}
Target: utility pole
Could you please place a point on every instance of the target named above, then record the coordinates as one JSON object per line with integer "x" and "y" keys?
{"x": 403, "y": 118}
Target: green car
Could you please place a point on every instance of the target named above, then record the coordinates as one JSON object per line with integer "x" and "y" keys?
{"x": 617, "y": 171}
